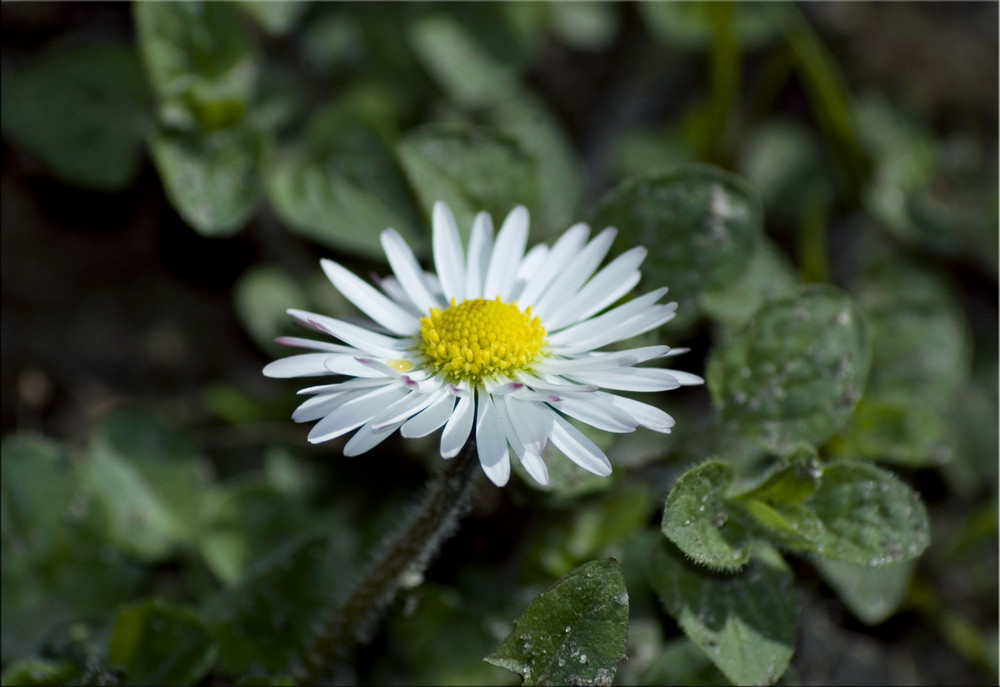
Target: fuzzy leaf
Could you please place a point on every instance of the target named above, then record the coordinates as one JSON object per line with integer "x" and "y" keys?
{"x": 795, "y": 371}
{"x": 574, "y": 633}
{"x": 82, "y": 112}
{"x": 745, "y": 623}
{"x": 869, "y": 516}
{"x": 700, "y": 224}
{"x": 470, "y": 170}
{"x": 701, "y": 523}
{"x": 160, "y": 644}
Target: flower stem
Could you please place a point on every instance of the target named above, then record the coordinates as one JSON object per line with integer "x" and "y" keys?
{"x": 407, "y": 554}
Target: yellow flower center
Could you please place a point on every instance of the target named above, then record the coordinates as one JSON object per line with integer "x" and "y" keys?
{"x": 480, "y": 338}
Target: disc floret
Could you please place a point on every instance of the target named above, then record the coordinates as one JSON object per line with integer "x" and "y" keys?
{"x": 479, "y": 338}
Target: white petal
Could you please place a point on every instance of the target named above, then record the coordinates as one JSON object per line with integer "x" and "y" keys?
{"x": 566, "y": 284}
{"x": 491, "y": 442}
{"x": 606, "y": 282}
{"x": 637, "y": 324}
{"x": 557, "y": 385}
{"x": 355, "y": 366}
{"x": 686, "y": 378}
{"x": 407, "y": 270}
{"x": 480, "y": 247}
{"x": 532, "y": 262}
{"x": 448, "y": 258}
{"x": 630, "y": 379}
{"x": 321, "y": 405}
{"x": 507, "y": 253}
{"x": 303, "y": 365}
{"x": 562, "y": 253}
{"x": 532, "y": 427}
{"x": 369, "y": 300}
{"x": 363, "y": 339}
{"x": 355, "y": 413}
{"x": 579, "y": 448}
{"x": 530, "y": 459}
{"x": 458, "y": 427}
{"x": 297, "y": 342}
{"x": 602, "y": 361}
{"x": 646, "y": 415}
{"x": 602, "y": 323}
{"x": 356, "y": 383}
{"x": 432, "y": 417}
{"x": 535, "y": 466}
{"x": 596, "y": 413}
{"x": 402, "y": 410}
{"x": 368, "y": 437}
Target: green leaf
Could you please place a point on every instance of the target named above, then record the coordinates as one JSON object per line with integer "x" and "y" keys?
{"x": 768, "y": 277}
{"x": 574, "y": 633}
{"x": 872, "y": 594}
{"x": 534, "y": 126}
{"x": 590, "y": 26}
{"x": 456, "y": 60}
{"x": 263, "y": 624}
{"x": 160, "y": 644}
{"x": 36, "y": 490}
{"x": 681, "y": 663}
{"x": 745, "y": 623}
{"x": 199, "y": 57}
{"x": 789, "y": 484}
{"x": 701, "y": 523}
{"x": 263, "y": 294}
{"x": 445, "y": 636}
{"x": 277, "y": 17}
{"x": 699, "y": 223}
{"x": 149, "y": 480}
{"x": 920, "y": 358}
{"x": 471, "y": 170}
{"x": 689, "y": 25}
{"x": 244, "y": 521}
{"x": 57, "y": 563}
{"x": 345, "y": 187}
{"x": 869, "y": 516}
{"x": 83, "y": 112}
{"x": 795, "y": 371}
{"x": 475, "y": 51}
{"x": 40, "y": 671}
{"x": 783, "y": 160}
{"x": 211, "y": 179}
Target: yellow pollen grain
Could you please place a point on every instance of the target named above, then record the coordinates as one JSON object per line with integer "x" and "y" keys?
{"x": 400, "y": 365}
{"x": 478, "y": 338}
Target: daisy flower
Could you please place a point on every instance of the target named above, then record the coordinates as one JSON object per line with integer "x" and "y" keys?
{"x": 502, "y": 342}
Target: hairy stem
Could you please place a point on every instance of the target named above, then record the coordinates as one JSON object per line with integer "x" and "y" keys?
{"x": 409, "y": 552}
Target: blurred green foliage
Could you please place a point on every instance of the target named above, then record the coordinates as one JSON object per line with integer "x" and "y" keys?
{"x": 838, "y": 333}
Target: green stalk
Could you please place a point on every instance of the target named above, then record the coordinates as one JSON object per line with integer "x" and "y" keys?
{"x": 447, "y": 498}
